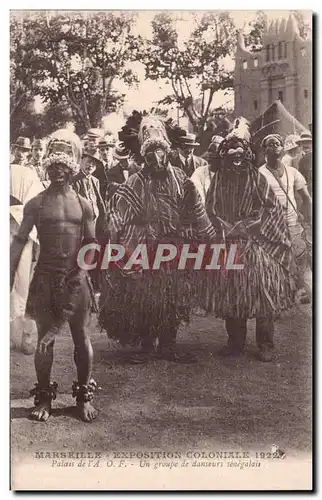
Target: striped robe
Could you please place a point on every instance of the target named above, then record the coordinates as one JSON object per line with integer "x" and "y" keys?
{"x": 265, "y": 285}
{"x": 151, "y": 211}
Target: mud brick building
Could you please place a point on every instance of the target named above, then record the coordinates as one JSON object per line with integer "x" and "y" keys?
{"x": 282, "y": 70}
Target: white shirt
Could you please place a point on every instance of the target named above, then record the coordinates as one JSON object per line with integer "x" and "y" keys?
{"x": 296, "y": 182}
{"x": 202, "y": 178}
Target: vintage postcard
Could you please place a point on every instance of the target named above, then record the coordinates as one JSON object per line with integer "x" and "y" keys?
{"x": 161, "y": 250}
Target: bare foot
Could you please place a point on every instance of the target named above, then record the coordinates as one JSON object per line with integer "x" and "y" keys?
{"x": 41, "y": 412}
{"x": 86, "y": 411}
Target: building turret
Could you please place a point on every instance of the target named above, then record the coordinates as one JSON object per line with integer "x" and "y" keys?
{"x": 292, "y": 29}
{"x": 280, "y": 70}
{"x": 240, "y": 41}
{"x": 282, "y": 28}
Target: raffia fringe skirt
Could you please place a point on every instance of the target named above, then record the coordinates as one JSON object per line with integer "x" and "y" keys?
{"x": 262, "y": 288}
{"x": 148, "y": 303}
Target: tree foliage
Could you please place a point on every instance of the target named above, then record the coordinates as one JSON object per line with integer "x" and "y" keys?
{"x": 304, "y": 26}
{"x": 24, "y": 74}
{"x": 75, "y": 57}
{"x": 197, "y": 62}
{"x": 28, "y": 122}
{"x": 254, "y": 39}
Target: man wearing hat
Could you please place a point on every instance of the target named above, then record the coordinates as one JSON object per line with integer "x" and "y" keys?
{"x": 38, "y": 148}
{"x": 88, "y": 187}
{"x": 185, "y": 159}
{"x": 105, "y": 148}
{"x": 91, "y": 141}
{"x": 59, "y": 293}
{"x": 202, "y": 175}
{"x": 291, "y": 156}
{"x": 121, "y": 170}
{"x": 305, "y": 142}
{"x": 21, "y": 150}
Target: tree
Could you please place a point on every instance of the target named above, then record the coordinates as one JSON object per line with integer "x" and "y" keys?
{"x": 78, "y": 56}
{"x": 24, "y": 74}
{"x": 196, "y": 63}
{"x": 28, "y": 122}
{"x": 304, "y": 27}
{"x": 254, "y": 39}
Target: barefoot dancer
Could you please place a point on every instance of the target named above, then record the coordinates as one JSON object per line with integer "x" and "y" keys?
{"x": 59, "y": 291}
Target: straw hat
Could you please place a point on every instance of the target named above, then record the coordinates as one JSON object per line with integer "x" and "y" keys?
{"x": 189, "y": 140}
{"x": 305, "y": 137}
{"x": 94, "y": 133}
{"x": 291, "y": 142}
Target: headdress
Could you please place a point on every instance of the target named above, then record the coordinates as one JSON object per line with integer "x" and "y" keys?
{"x": 65, "y": 159}
{"x": 272, "y": 136}
{"x": 239, "y": 136}
{"x": 140, "y": 126}
{"x": 64, "y": 147}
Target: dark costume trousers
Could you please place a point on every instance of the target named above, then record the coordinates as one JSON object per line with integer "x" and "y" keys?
{"x": 237, "y": 331}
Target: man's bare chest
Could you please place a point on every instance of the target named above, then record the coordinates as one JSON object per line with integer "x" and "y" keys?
{"x": 61, "y": 209}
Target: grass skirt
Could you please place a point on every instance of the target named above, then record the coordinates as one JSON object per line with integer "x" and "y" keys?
{"x": 147, "y": 304}
{"x": 261, "y": 289}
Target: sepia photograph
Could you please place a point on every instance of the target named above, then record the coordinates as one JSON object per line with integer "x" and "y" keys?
{"x": 161, "y": 190}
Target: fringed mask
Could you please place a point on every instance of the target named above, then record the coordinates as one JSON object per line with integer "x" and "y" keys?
{"x": 64, "y": 148}
{"x": 155, "y": 145}
{"x": 235, "y": 151}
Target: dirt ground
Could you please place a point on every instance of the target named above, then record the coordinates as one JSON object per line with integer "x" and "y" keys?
{"x": 213, "y": 404}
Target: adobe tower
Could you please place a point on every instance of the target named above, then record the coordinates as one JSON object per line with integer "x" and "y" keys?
{"x": 282, "y": 70}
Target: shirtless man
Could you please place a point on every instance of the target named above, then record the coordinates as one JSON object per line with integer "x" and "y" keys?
{"x": 59, "y": 292}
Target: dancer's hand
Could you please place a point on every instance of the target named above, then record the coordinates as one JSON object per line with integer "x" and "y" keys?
{"x": 239, "y": 231}
{"x": 48, "y": 339}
